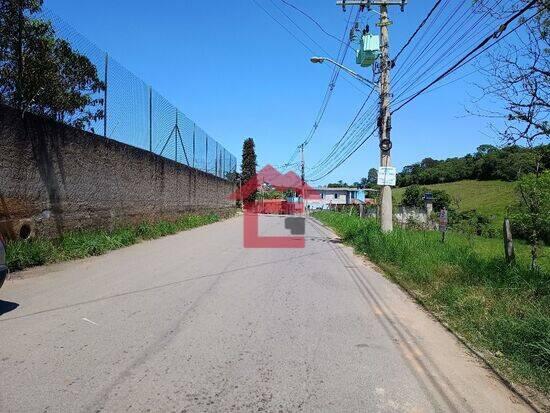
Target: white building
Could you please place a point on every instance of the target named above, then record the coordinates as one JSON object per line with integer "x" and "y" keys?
{"x": 340, "y": 196}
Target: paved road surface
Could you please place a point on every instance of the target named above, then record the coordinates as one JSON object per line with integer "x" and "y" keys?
{"x": 194, "y": 322}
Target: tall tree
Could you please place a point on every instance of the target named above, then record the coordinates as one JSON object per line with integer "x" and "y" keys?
{"x": 372, "y": 176}
{"x": 249, "y": 164}
{"x": 40, "y": 72}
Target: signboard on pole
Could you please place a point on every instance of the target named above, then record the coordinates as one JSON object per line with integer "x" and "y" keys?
{"x": 387, "y": 176}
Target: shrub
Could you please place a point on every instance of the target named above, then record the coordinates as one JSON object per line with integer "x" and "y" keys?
{"x": 472, "y": 222}
{"x": 530, "y": 216}
{"x": 414, "y": 197}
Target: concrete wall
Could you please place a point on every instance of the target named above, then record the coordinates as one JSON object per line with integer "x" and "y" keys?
{"x": 407, "y": 216}
{"x": 55, "y": 178}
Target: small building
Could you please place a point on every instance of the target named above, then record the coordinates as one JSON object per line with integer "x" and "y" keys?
{"x": 342, "y": 196}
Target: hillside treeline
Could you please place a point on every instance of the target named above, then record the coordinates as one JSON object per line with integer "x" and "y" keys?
{"x": 487, "y": 163}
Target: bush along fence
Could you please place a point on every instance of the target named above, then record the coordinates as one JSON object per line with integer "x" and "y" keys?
{"x": 49, "y": 69}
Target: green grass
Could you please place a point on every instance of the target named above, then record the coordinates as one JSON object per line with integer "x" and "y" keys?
{"x": 490, "y": 198}
{"x": 81, "y": 244}
{"x": 503, "y": 311}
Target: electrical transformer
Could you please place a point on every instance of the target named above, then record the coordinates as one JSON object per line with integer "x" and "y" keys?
{"x": 369, "y": 50}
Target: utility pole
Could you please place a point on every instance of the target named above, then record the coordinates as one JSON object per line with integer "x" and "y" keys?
{"x": 384, "y": 118}
{"x": 303, "y": 167}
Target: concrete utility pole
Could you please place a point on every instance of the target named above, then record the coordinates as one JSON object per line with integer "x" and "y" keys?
{"x": 303, "y": 176}
{"x": 384, "y": 119}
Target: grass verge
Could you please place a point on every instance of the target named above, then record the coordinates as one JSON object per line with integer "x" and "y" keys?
{"x": 502, "y": 311}
{"x": 81, "y": 244}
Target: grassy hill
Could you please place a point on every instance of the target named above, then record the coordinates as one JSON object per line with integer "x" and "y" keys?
{"x": 490, "y": 198}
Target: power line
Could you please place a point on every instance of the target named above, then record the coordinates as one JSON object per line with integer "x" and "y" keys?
{"x": 335, "y": 146}
{"x": 346, "y": 158}
{"x": 427, "y": 30}
{"x": 446, "y": 51}
{"x": 283, "y": 26}
{"x": 314, "y": 21}
{"x": 342, "y": 154}
{"x": 300, "y": 28}
{"x": 342, "y": 52}
{"x": 359, "y": 131}
{"x": 472, "y": 54}
{"x": 433, "y": 9}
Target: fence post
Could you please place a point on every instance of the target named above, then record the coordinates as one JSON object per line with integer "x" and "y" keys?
{"x": 105, "y": 95}
{"x": 194, "y": 127}
{"x": 361, "y": 210}
{"x": 150, "y": 119}
{"x": 216, "y": 168}
{"x": 176, "y": 137}
{"x": 206, "y": 158}
{"x": 508, "y": 242}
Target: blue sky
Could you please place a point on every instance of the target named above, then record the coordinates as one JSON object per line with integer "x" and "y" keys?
{"x": 237, "y": 74}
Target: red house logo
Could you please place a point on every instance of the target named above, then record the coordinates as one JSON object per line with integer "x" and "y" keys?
{"x": 294, "y": 208}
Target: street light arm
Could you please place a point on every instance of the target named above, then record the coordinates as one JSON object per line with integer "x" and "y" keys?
{"x": 341, "y": 66}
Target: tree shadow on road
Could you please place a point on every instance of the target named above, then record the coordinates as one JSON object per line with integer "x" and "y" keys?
{"x": 7, "y": 306}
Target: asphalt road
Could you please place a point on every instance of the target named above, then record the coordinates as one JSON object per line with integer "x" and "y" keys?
{"x": 194, "y": 322}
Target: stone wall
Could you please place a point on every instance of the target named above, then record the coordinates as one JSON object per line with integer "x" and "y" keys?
{"x": 55, "y": 178}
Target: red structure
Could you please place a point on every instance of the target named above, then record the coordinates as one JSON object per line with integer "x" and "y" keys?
{"x": 282, "y": 183}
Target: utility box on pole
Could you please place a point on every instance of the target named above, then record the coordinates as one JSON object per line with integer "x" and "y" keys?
{"x": 369, "y": 50}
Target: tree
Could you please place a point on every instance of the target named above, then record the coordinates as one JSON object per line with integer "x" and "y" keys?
{"x": 372, "y": 176}
{"x": 362, "y": 183}
{"x": 40, "y": 72}
{"x": 427, "y": 163}
{"x": 248, "y": 165}
{"x": 414, "y": 197}
{"x": 270, "y": 194}
{"x": 518, "y": 76}
{"x": 339, "y": 184}
{"x": 487, "y": 163}
{"x": 485, "y": 149}
{"x": 530, "y": 216}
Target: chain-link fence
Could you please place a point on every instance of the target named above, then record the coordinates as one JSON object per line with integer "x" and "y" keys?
{"x": 100, "y": 95}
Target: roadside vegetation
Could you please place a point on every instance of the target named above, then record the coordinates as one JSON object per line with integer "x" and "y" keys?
{"x": 80, "y": 244}
{"x": 502, "y": 310}
{"x": 486, "y": 164}
{"x": 490, "y": 198}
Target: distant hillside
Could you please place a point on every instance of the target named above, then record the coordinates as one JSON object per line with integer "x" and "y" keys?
{"x": 491, "y": 198}
{"x": 487, "y": 163}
